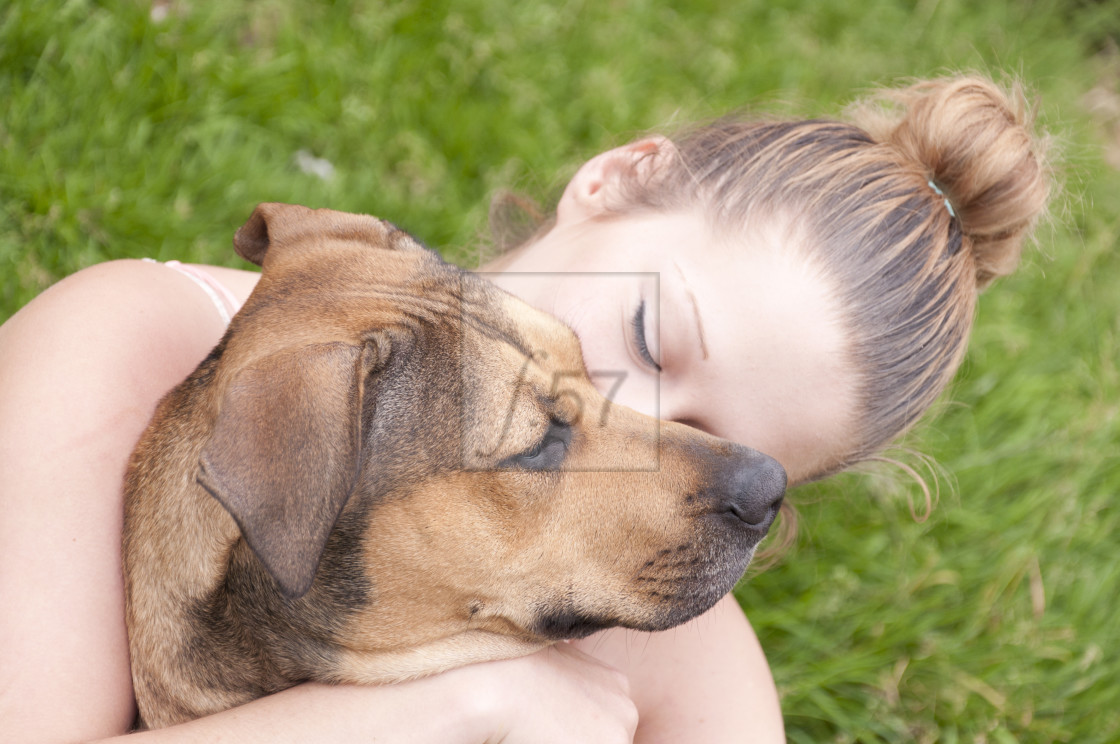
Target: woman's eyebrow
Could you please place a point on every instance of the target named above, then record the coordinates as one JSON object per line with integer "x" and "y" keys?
{"x": 695, "y": 311}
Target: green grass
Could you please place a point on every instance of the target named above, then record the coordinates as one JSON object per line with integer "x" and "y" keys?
{"x": 991, "y": 621}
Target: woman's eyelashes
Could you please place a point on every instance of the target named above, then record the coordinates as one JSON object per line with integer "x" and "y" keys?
{"x": 641, "y": 345}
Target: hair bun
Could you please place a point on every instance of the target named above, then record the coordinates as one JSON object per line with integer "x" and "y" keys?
{"x": 974, "y": 140}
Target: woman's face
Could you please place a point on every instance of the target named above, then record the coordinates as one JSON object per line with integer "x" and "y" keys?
{"x": 740, "y": 340}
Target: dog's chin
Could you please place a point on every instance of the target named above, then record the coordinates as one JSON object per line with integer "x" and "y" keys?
{"x": 647, "y": 610}
{"x": 692, "y": 602}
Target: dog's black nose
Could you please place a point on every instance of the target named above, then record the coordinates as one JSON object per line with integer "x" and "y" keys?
{"x": 758, "y": 492}
{"x": 751, "y": 487}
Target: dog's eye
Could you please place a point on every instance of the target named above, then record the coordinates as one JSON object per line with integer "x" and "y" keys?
{"x": 547, "y": 454}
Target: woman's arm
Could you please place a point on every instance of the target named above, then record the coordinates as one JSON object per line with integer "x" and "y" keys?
{"x": 417, "y": 713}
{"x": 556, "y": 696}
{"x": 705, "y": 682}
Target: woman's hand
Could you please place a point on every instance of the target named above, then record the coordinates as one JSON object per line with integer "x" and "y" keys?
{"x": 560, "y": 695}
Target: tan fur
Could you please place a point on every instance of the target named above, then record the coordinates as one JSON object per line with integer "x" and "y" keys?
{"x": 340, "y": 492}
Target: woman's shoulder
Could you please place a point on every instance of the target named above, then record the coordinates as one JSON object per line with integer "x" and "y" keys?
{"x": 125, "y": 317}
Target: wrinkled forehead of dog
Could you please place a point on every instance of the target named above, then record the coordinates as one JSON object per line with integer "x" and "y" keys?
{"x": 338, "y": 277}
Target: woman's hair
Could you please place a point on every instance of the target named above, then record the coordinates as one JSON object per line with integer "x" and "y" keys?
{"x": 910, "y": 207}
{"x": 909, "y": 210}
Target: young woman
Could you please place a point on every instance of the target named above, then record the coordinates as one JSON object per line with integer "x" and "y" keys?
{"x": 817, "y": 286}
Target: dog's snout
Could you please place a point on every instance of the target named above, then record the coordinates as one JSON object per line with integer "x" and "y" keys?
{"x": 751, "y": 488}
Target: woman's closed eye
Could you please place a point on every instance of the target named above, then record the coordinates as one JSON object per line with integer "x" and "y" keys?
{"x": 641, "y": 345}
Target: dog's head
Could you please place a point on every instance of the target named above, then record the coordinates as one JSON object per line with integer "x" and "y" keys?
{"x": 402, "y": 434}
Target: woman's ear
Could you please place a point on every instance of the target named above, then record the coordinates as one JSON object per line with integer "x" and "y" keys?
{"x": 598, "y": 182}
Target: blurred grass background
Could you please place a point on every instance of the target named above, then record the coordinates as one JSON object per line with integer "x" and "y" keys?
{"x": 141, "y": 129}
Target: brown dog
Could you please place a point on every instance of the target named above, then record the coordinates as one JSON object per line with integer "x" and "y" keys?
{"x": 388, "y": 468}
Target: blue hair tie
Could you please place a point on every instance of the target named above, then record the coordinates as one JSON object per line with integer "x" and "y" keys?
{"x": 944, "y": 198}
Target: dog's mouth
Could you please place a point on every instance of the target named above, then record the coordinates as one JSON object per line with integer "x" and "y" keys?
{"x": 559, "y": 624}
{"x": 668, "y": 591}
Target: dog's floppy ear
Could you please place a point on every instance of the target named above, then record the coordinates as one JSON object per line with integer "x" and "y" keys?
{"x": 273, "y": 224}
{"x": 285, "y": 452}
